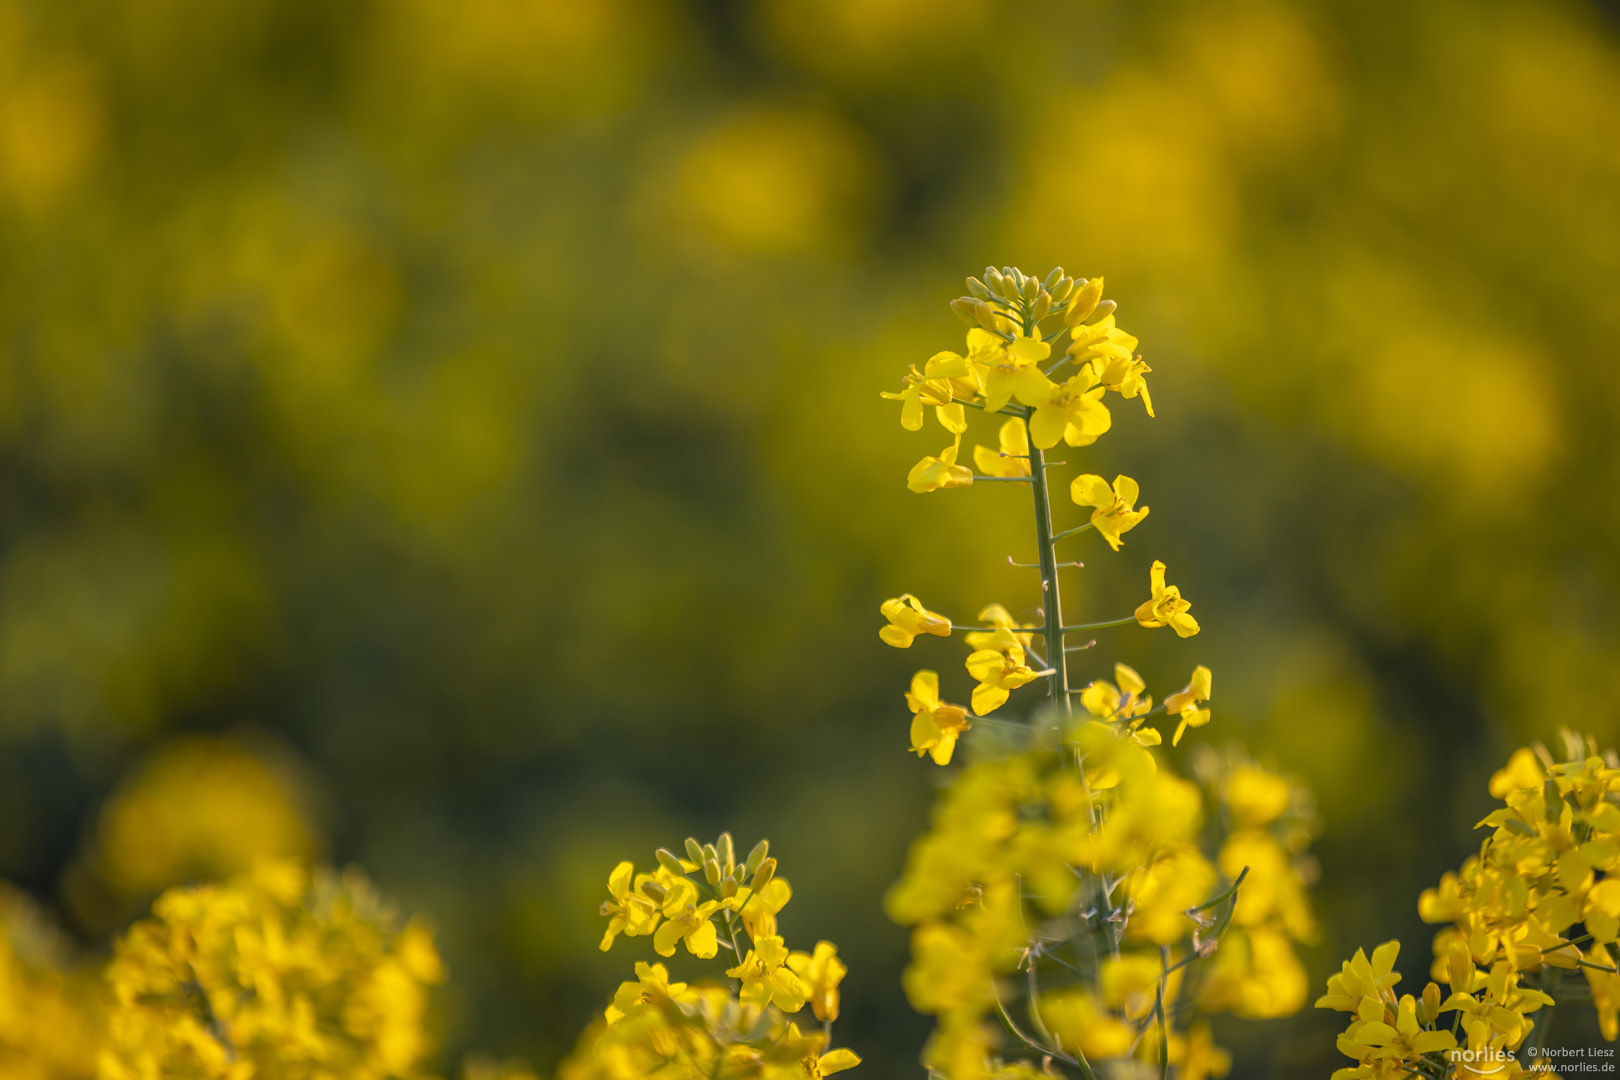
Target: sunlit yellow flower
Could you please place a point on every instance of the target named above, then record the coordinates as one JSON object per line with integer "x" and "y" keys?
{"x": 686, "y": 920}
{"x": 766, "y": 978}
{"x": 652, "y": 985}
{"x": 939, "y": 473}
{"x": 1124, "y": 376}
{"x": 1100, "y": 342}
{"x": 1000, "y": 670}
{"x": 997, "y": 618}
{"x": 821, "y": 971}
{"x": 1102, "y": 698}
{"x": 1166, "y": 607}
{"x": 1071, "y": 411}
{"x": 629, "y": 912}
{"x": 933, "y": 386}
{"x": 1010, "y": 370}
{"x": 908, "y": 618}
{"x": 1013, "y": 457}
{"x": 1184, "y": 702}
{"x": 759, "y": 911}
{"x": 1115, "y": 507}
{"x": 935, "y": 725}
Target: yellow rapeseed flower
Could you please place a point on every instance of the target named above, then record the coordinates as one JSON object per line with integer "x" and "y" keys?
{"x": 935, "y": 725}
{"x": 1166, "y": 607}
{"x": 1071, "y": 411}
{"x": 1115, "y": 505}
{"x": 908, "y": 618}
{"x": 766, "y": 978}
{"x": 821, "y": 971}
{"x": 1000, "y": 670}
{"x": 629, "y": 912}
{"x": 687, "y": 921}
{"x": 1184, "y": 702}
{"x": 1012, "y": 459}
{"x": 1010, "y": 370}
{"x": 939, "y": 473}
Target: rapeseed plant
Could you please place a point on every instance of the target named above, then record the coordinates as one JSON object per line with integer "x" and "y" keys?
{"x": 1073, "y": 888}
{"x": 1534, "y": 906}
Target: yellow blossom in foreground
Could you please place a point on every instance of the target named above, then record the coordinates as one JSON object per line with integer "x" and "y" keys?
{"x": 759, "y": 913}
{"x": 935, "y": 725}
{"x": 997, "y": 618}
{"x": 1124, "y": 376}
{"x": 908, "y": 618}
{"x": 652, "y": 985}
{"x": 1012, "y": 459}
{"x": 1012, "y": 370}
{"x": 1166, "y": 607}
{"x": 273, "y": 974}
{"x": 939, "y": 473}
{"x": 1103, "y": 699}
{"x": 1115, "y": 505}
{"x": 1000, "y": 670}
{"x": 1184, "y": 702}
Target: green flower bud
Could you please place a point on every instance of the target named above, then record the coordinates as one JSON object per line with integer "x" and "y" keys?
{"x": 757, "y": 856}
{"x": 668, "y": 861}
{"x": 762, "y": 876}
{"x": 711, "y": 871}
{"x": 726, "y": 852}
{"x": 963, "y": 307}
{"x": 694, "y": 851}
{"x": 976, "y": 287}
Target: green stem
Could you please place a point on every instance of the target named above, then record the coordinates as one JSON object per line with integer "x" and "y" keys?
{"x": 1158, "y": 1008}
{"x": 1051, "y": 601}
{"x": 1096, "y": 625}
{"x": 1070, "y": 532}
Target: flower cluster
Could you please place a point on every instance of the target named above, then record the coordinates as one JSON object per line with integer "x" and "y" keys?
{"x": 1540, "y": 900}
{"x": 1071, "y": 883}
{"x": 50, "y": 1026}
{"x": 278, "y": 973}
{"x": 705, "y": 903}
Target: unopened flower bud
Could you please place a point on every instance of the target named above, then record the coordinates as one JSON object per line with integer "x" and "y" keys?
{"x": 1042, "y": 306}
{"x": 728, "y": 887}
{"x": 963, "y": 307}
{"x": 762, "y": 876}
{"x": 1084, "y": 301}
{"x": 1060, "y": 292}
{"x": 1028, "y": 286}
{"x": 726, "y": 852}
{"x": 999, "y": 286}
{"x": 711, "y": 871}
{"x": 757, "y": 856}
{"x": 1052, "y": 278}
{"x": 711, "y": 852}
{"x": 977, "y": 288}
{"x": 668, "y": 861}
{"x": 694, "y": 851}
{"x": 654, "y": 890}
{"x": 1104, "y": 309}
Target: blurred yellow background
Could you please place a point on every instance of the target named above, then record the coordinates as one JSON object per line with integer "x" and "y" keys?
{"x": 446, "y": 436}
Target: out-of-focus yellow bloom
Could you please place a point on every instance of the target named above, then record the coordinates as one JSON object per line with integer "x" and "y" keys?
{"x": 687, "y": 921}
{"x": 628, "y": 911}
{"x": 1010, "y": 370}
{"x": 1196, "y": 1056}
{"x": 821, "y": 971}
{"x": 51, "y": 1025}
{"x": 1079, "y": 1019}
{"x": 1000, "y": 670}
{"x": 1071, "y": 411}
{"x": 939, "y": 473}
{"x": 1256, "y": 797}
{"x": 935, "y": 725}
{"x": 1013, "y": 457}
{"x": 1115, "y": 506}
{"x": 766, "y": 978}
{"x": 1166, "y": 607}
{"x": 1184, "y": 702}
{"x": 908, "y": 618}
{"x": 1103, "y": 699}
{"x": 273, "y": 974}
{"x": 201, "y": 808}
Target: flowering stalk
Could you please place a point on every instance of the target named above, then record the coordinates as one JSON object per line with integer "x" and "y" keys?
{"x": 1075, "y": 859}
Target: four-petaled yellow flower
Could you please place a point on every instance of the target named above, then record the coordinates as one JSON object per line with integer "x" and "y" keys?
{"x": 1166, "y": 607}
{"x": 908, "y": 618}
{"x": 1124, "y": 376}
{"x": 1103, "y": 699}
{"x": 1071, "y": 411}
{"x": 766, "y": 978}
{"x": 997, "y": 617}
{"x": 1115, "y": 506}
{"x": 821, "y": 971}
{"x": 686, "y": 920}
{"x": 1000, "y": 670}
{"x": 759, "y": 913}
{"x": 652, "y": 985}
{"x": 1013, "y": 458}
{"x": 1184, "y": 703}
{"x": 933, "y": 386}
{"x": 939, "y": 473}
{"x": 935, "y": 725}
{"x": 630, "y": 912}
{"x": 1010, "y": 370}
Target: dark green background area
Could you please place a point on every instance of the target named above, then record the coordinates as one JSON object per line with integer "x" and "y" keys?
{"x": 480, "y": 402}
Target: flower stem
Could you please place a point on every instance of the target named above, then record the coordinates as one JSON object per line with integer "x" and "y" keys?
{"x": 1051, "y": 603}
